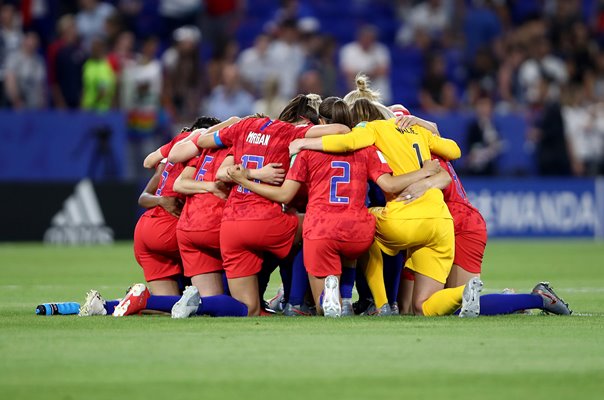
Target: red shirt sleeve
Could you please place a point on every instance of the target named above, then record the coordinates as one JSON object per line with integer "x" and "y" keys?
{"x": 193, "y": 162}
{"x": 226, "y": 137}
{"x": 300, "y": 131}
{"x": 165, "y": 149}
{"x": 299, "y": 169}
{"x": 376, "y": 163}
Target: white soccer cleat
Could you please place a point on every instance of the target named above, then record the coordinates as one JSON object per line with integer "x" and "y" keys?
{"x": 93, "y": 305}
{"x": 470, "y": 306}
{"x": 188, "y": 303}
{"x": 331, "y": 298}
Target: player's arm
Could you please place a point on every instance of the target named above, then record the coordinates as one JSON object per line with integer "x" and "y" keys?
{"x": 445, "y": 148}
{"x": 211, "y": 139}
{"x": 395, "y": 184}
{"x": 186, "y": 184}
{"x": 324, "y": 130}
{"x": 199, "y": 138}
{"x": 153, "y": 159}
{"x": 407, "y": 121}
{"x": 279, "y": 194}
{"x": 272, "y": 173}
{"x": 416, "y": 190}
{"x": 148, "y": 199}
{"x": 359, "y": 138}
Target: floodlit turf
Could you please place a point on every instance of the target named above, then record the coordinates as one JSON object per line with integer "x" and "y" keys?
{"x": 510, "y": 357}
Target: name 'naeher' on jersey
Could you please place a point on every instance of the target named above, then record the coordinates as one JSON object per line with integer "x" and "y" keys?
{"x": 337, "y": 187}
{"x": 203, "y": 211}
{"x": 256, "y": 142}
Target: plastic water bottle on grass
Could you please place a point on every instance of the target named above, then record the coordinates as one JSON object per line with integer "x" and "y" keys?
{"x": 58, "y": 308}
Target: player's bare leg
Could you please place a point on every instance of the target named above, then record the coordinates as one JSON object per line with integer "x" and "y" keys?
{"x": 459, "y": 276}
{"x": 245, "y": 290}
{"x": 164, "y": 287}
{"x": 209, "y": 284}
{"x": 423, "y": 288}
{"x": 316, "y": 286}
{"x": 405, "y": 295}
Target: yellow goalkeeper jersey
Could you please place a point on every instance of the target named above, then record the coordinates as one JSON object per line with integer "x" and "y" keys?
{"x": 405, "y": 151}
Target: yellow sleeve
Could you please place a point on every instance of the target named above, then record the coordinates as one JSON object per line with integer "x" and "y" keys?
{"x": 360, "y": 137}
{"x": 446, "y": 148}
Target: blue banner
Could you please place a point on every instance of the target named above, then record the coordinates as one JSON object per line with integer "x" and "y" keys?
{"x": 539, "y": 207}
{"x": 67, "y": 146}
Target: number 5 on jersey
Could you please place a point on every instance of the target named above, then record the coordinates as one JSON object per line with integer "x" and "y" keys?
{"x": 339, "y": 180}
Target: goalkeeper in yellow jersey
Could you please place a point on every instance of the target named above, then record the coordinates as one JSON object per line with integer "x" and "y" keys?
{"x": 424, "y": 227}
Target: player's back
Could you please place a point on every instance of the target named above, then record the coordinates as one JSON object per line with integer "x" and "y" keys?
{"x": 171, "y": 171}
{"x": 405, "y": 151}
{"x": 257, "y": 142}
{"x": 203, "y": 211}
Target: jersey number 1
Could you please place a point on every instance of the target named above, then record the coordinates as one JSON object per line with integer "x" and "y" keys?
{"x": 419, "y": 155}
{"x": 337, "y": 179}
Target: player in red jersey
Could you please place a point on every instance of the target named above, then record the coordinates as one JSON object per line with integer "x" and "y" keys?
{"x": 337, "y": 223}
{"x": 155, "y": 244}
{"x": 198, "y": 228}
{"x": 251, "y": 224}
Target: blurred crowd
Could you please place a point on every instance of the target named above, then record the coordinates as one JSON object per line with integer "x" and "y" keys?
{"x": 164, "y": 62}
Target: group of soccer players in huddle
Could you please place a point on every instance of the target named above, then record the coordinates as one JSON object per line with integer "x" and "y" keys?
{"x": 231, "y": 201}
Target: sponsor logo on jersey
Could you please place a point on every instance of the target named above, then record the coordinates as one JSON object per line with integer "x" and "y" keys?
{"x": 80, "y": 221}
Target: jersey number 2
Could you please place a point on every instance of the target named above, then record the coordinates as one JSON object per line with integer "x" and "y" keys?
{"x": 339, "y": 179}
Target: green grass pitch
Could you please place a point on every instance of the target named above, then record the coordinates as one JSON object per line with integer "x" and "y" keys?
{"x": 154, "y": 357}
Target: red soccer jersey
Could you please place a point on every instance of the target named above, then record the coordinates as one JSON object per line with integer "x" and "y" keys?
{"x": 337, "y": 188}
{"x": 168, "y": 176}
{"x": 203, "y": 211}
{"x": 256, "y": 142}
{"x": 465, "y": 215}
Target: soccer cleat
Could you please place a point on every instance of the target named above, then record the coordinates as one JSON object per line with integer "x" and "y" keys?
{"x": 347, "y": 308}
{"x": 552, "y": 303}
{"x": 383, "y": 311}
{"x": 361, "y": 306}
{"x": 134, "y": 302}
{"x": 302, "y": 310}
{"x": 331, "y": 298}
{"x": 277, "y": 303}
{"x": 93, "y": 305}
{"x": 470, "y": 305}
{"x": 188, "y": 304}
{"x": 395, "y": 309}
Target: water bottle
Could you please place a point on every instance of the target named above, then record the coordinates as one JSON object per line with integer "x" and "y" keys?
{"x": 58, "y": 308}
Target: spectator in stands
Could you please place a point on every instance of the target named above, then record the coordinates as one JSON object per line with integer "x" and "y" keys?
{"x": 255, "y": 65}
{"x": 483, "y": 140}
{"x": 183, "y": 75}
{"x": 65, "y": 60}
{"x": 271, "y": 103}
{"x": 437, "y": 94}
{"x": 541, "y": 65}
{"x": 287, "y": 57}
{"x": 10, "y": 39}
{"x": 229, "y": 98}
{"x": 580, "y": 58}
{"x": 224, "y": 54}
{"x": 482, "y": 75}
{"x": 140, "y": 98}
{"x": 370, "y": 57}
{"x": 553, "y": 152}
{"x": 221, "y": 19}
{"x": 98, "y": 78}
{"x": 177, "y": 13}
{"x": 122, "y": 53}
{"x": 508, "y": 84}
{"x": 25, "y": 75}
{"x": 584, "y": 127}
{"x": 91, "y": 20}
{"x": 432, "y": 16}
